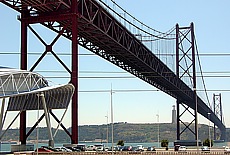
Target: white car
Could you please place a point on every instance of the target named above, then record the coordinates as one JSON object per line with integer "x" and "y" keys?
{"x": 140, "y": 148}
{"x": 182, "y": 148}
{"x": 100, "y": 147}
{"x": 91, "y": 148}
{"x": 205, "y": 149}
{"x": 226, "y": 149}
{"x": 63, "y": 149}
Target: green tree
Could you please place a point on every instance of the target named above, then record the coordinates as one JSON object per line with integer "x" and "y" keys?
{"x": 164, "y": 143}
{"x": 206, "y": 142}
{"x": 121, "y": 143}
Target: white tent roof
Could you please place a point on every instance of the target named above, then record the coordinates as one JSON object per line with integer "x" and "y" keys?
{"x": 23, "y": 86}
{"x": 57, "y": 97}
{"x": 16, "y": 82}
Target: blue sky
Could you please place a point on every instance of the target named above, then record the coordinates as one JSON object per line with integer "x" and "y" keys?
{"x": 211, "y": 20}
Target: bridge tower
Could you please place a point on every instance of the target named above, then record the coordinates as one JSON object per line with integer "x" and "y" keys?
{"x": 217, "y": 108}
{"x": 71, "y": 19}
{"x": 185, "y": 70}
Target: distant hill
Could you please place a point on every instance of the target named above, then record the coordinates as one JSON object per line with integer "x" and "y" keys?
{"x": 129, "y": 132}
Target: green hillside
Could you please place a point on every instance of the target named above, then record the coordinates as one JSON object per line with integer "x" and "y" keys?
{"x": 128, "y": 132}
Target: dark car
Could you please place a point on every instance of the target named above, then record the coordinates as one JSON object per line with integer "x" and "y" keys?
{"x": 127, "y": 148}
{"x": 176, "y": 147}
{"x": 115, "y": 148}
{"x": 151, "y": 148}
{"x": 120, "y": 148}
{"x": 49, "y": 148}
{"x": 81, "y": 147}
{"x": 74, "y": 149}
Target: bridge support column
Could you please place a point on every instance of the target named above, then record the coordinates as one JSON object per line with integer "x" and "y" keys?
{"x": 24, "y": 27}
{"x": 70, "y": 30}
{"x": 74, "y": 75}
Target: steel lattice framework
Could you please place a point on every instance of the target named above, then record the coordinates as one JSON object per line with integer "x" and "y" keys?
{"x": 185, "y": 66}
{"x": 87, "y": 23}
{"x": 14, "y": 82}
{"x": 217, "y": 108}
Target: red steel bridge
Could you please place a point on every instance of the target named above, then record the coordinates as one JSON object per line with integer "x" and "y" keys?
{"x": 92, "y": 25}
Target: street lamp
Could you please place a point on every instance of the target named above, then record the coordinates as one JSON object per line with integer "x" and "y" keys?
{"x": 158, "y": 130}
{"x": 107, "y": 135}
{"x": 209, "y": 135}
{"x": 111, "y": 102}
{"x": 196, "y": 119}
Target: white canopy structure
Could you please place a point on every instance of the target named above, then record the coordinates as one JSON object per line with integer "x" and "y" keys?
{"x": 15, "y": 82}
{"x": 22, "y": 88}
{"x": 30, "y": 91}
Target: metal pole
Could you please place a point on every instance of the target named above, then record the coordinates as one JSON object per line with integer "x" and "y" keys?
{"x": 1, "y": 120}
{"x": 158, "y": 130}
{"x": 51, "y": 140}
{"x": 209, "y": 135}
{"x": 107, "y": 135}
{"x": 196, "y": 122}
{"x": 112, "y": 115}
{"x": 1, "y": 115}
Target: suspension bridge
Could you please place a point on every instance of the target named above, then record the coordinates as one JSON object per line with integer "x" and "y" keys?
{"x": 126, "y": 42}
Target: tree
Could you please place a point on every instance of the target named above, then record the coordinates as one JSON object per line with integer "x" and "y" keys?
{"x": 164, "y": 143}
{"x": 206, "y": 142}
{"x": 121, "y": 143}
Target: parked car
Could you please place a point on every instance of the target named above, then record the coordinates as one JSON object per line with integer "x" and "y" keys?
{"x": 182, "y": 148}
{"x": 63, "y": 149}
{"x": 205, "y": 149}
{"x": 176, "y": 147}
{"x": 115, "y": 148}
{"x": 151, "y": 148}
{"x": 81, "y": 147}
{"x": 226, "y": 149}
{"x": 100, "y": 147}
{"x": 127, "y": 148}
{"x": 107, "y": 148}
{"x": 49, "y": 148}
{"x": 139, "y": 148}
{"x": 91, "y": 148}
{"x": 74, "y": 149}
{"x": 43, "y": 149}
{"x": 120, "y": 148}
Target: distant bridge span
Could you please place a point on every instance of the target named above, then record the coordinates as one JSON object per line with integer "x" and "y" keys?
{"x": 87, "y": 23}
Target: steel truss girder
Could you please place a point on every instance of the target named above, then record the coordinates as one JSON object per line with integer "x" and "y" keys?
{"x": 98, "y": 28}
{"x": 39, "y": 7}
